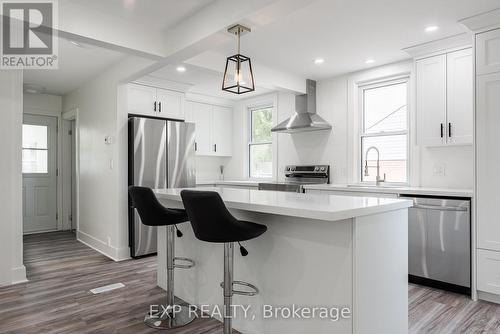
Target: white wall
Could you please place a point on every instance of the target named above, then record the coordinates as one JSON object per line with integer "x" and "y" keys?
{"x": 12, "y": 269}
{"x": 103, "y": 198}
{"x": 336, "y": 103}
{"x": 208, "y": 168}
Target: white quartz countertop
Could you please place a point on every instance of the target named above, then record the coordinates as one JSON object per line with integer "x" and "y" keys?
{"x": 241, "y": 183}
{"x": 394, "y": 190}
{"x": 311, "y": 206}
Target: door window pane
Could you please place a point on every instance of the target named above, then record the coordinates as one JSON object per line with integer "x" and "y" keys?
{"x": 35, "y": 161}
{"x": 261, "y": 163}
{"x": 35, "y": 136}
{"x": 393, "y": 157}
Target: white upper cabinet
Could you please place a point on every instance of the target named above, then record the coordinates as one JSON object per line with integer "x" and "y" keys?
{"x": 141, "y": 100}
{"x": 222, "y": 134}
{"x": 460, "y": 97}
{"x": 170, "y": 104}
{"x": 156, "y": 102}
{"x": 213, "y": 128}
{"x": 488, "y": 52}
{"x": 431, "y": 100}
{"x": 445, "y": 99}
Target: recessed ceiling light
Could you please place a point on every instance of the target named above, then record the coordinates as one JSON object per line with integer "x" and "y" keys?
{"x": 181, "y": 69}
{"x": 319, "y": 61}
{"x": 431, "y": 28}
{"x": 369, "y": 61}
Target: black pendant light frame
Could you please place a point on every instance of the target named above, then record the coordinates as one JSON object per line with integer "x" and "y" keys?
{"x": 238, "y": 59}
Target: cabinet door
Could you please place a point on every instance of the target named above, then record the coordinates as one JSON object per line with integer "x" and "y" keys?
{"x": 431, "y": 100}
{"x": 222, "y": 131}
{"x": 488, "y": 271}
{"x": 189, "y": 111}
{"x": 460, "y": 97}
{"x": 488, "y": 160}
{"x": 488, "y": 52}
{"x": 201, "y": 114}
{"x": 141, "y": 99}
{"x": 170, "y": 104}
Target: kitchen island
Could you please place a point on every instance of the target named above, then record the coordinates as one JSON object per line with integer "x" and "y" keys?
{"x": 320, "y": 252}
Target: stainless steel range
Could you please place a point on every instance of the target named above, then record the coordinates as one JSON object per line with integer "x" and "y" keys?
{"x": 298, "y": 176}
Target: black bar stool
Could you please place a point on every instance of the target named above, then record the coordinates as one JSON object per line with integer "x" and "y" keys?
{"x": 152, "y": 213}
{"x": 212, "y": 222}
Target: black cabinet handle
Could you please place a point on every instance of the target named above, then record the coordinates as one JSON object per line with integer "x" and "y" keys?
{"x": 154, "y": 106}
{"x": 215, "y": 147}
{"x": 195, "y": 146}
{"x": 449, "y": 130}
{"x": 442, "y": 130}
{"x": 159, "y": 106}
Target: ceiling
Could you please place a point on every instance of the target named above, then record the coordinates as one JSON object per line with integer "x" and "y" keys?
{"x": 76, "y": 66}
{"x": 155, "y": 14}
{"x": 202, "y": 81}
{"x": 347, "y": 32}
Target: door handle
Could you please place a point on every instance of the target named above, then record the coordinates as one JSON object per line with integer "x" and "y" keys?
{"x": 440, "y": 208}
{"x": 215, "y": 147}
{"x": 154, "y": 106}
{"x": 449, "y": 130}
{"x": 442, "y": 130}
{"x": 195, "y": 146}
{"x": 159, "y": 106}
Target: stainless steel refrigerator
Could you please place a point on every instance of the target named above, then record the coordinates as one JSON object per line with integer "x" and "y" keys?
{"x": 161, "y": 155}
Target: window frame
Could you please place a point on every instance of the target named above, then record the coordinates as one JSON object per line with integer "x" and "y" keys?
{"x": 361, "y": 126}
{"x": 251, "y": 143}
{"x": 38, "y": 149}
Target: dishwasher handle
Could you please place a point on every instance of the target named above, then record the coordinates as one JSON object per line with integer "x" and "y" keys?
{"x": 440, "y": 208}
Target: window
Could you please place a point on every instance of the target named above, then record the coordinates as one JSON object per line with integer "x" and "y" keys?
{"x": 384, "y": 126}
{"x": 260, "y": 150}
{"x": 35, "y": 149}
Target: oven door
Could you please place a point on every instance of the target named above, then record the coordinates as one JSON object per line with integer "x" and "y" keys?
{"x": 294, "y": 188}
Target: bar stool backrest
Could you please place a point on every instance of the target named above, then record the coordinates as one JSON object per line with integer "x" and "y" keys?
{"x": 150, "y": 210}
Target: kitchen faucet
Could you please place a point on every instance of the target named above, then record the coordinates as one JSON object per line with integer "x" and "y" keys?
{"x": 378, "y": 179}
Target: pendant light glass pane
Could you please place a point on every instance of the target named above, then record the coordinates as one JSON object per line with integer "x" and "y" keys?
{"x": 238, "y": 75}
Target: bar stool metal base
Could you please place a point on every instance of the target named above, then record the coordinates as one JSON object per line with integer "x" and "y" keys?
{"x": 168, "y": 319}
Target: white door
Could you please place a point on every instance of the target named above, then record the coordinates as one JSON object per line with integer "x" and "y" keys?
{"x": 201, "y": 114}
{"x": 460, "y": 97}
{"x": 487, "y": 160}
{"x": 431, "y": 100}
{"x": 141, "y": 100}
{"x": 170, "y": 104}
{"x": 39, "y": 173}
{"x": 222, "y": 124}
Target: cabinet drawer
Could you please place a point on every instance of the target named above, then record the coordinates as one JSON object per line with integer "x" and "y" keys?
{"x": 488, "y": 52}
{"x": 488, "y": 271}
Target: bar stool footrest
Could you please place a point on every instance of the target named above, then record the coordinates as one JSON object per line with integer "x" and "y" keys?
{"x": 190, "y": 263}
{"x": 254, "y": 292}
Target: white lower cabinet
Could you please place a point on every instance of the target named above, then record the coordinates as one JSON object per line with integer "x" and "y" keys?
{"x": 214, "y": 128}
{"x": 488, "y": 271}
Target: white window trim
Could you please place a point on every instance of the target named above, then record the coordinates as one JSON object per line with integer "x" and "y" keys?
{"x": 249, "y": 110}
{"x": 361, "y": 87}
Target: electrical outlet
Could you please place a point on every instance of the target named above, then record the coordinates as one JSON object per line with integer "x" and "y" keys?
{"x": 439, "y": 170}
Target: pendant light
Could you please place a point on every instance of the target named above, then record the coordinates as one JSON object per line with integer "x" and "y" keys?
{"x": 238, "y": 75}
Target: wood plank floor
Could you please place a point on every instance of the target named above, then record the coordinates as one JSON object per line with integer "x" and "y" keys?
{"x": 62, "y": 271}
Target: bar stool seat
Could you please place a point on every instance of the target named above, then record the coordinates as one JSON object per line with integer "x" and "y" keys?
{"x": 152, "y": 213}
{"x": 212, "y": 222}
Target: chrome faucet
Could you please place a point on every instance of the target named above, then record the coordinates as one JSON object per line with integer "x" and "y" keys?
{"x": 378, "y": 179}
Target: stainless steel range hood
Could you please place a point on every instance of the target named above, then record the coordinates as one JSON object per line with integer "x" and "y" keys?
{"x": 304, "y": 117}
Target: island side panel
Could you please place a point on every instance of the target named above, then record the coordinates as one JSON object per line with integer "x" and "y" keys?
{"x": 297, "y": 261}
{"x": 380, "y": 272}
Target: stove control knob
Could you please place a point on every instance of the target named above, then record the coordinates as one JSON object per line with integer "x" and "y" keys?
{"x": 288, "y": 168}
{"x": 316, "y": 168}
{"x": 323, "y": 169}
{"x": 293, "y": 169}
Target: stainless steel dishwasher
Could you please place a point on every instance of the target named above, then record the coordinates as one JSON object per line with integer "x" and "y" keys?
{"x": 440, "y": 243}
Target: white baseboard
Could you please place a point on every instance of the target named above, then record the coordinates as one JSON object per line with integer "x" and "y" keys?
{"x": 19, "y": 275}
{"x": 489, "y": 297}
{"x": 115, "y": 254}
